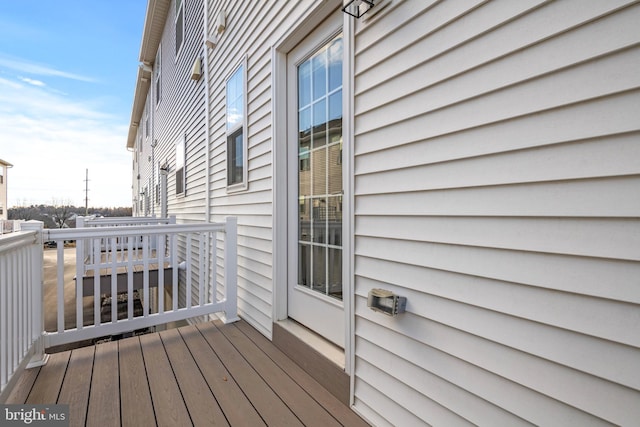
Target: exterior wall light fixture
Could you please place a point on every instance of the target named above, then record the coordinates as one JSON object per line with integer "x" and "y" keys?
{"x": 386, "y": 302}
{"x": 219, "y": 27}
{"x": 357, "y": 8}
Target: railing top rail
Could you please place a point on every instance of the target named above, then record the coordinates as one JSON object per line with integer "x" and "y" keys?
{"x": 114, "y": 231}
{"x": 125, "y": 219}
{"x": 17, "y": 239}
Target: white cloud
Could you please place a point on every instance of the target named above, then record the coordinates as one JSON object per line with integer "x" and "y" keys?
{"x": 25, "y": 66}
{"x": 32, "y": 81}
{"x": 51, "y": 140}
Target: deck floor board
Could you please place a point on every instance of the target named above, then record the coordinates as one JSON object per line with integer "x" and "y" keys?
{"x": 135, "y": 398}
{"x": 200, "y": 402}
{"x": 104, "y": 395}
{"x": 49, "y": 381}
{"x": 320, "y": 394}
{"x": 272, "y": 410}
{"x": 207, "y": 374}
{"x": 235, "y": 405}
{"x": 167, "y": 399}
{"x": 294, "y": 396}
{"x": 77, "y": 383}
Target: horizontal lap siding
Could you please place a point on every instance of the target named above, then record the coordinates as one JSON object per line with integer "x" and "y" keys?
{"x": 497, "y": 168}
{"x": 252, "y": 28}
{"x": 181, "y": 114}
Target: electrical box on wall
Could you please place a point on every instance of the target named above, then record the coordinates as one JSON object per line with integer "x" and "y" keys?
{"x": 384, "y": 301}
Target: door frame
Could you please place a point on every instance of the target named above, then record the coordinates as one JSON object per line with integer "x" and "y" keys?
{"x": 313, "y": 16}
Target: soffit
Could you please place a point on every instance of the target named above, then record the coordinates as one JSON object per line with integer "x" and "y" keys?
{"x": 143, "y": 81}
{"x": 157, "y": 11}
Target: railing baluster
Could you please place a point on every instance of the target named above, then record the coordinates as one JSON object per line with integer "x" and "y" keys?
{"x": 22, "y": 336}
{"x": 10, "y": 314}
{"x": 80, "y": 262}
{"x": 60, "y": 283}
{"x": 188, "y": 286}
{"x": 16, "y": 313}
{"x": 160, "y": 239}
{"x": 130, "y": 240}
{"x": 145, "y": 275}
{"x": 204, "y": 269}
{"x": 114, "y": 281}
{"x": 4, "y": 279}
{"x": 174, "y": 254}
{"x": 30, "y": 296}
{"x": 213, "y": 261}
{"x": 97, "y": 256}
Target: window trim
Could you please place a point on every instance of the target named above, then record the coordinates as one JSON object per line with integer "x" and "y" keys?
{"x": 179, "y": 8}
{"x": 244, "y": 184}
{"x": 146, "y": 124}
{"x": 157, "y": 86}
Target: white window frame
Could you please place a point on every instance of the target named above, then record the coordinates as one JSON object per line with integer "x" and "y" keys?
{"x": 180, "y": 8}
{"x": 157, "y": 81}
{"x": 146, "y": 124}
{"x": 181, "y": 165}
{"x": 241, "y": 126}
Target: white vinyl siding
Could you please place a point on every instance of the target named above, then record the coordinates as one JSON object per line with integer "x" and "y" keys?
{"x": 496, "y": 187}
{"x": 252, "y": 29}
{"x": 180, "y": 116}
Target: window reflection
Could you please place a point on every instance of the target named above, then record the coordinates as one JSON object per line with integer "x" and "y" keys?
{"x": 320, "y": 186}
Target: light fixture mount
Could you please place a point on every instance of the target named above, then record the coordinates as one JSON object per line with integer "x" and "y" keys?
{"x": 357, "y": 8}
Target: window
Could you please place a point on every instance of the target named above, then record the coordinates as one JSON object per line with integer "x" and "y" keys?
{"x": 146, "y": 124}
{"x": 236, "y": 132}
{"x": 319, "y": 152}
{"x": 179, "y": 25}
{"x": 180, "y": 167}
{"x": 158, "y": 82}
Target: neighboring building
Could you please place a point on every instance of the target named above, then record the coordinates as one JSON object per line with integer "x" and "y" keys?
{"x": 4, "y": 166}
{"x": 481, "y": 159}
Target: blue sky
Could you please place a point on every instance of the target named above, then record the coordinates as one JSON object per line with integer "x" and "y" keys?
{"x": 67, "y": 76}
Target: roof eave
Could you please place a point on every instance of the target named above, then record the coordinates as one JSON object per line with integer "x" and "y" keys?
{"x": 143, "y": 82}
{"x": 157, "y": 11}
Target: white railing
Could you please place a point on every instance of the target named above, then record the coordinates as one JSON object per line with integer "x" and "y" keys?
{"x": 85, "y": 249}
{"x": 20, "y": 303}
{"x": 206, "y": 274}
{"x": 134, "y": 273}
{"x": 10, "y": 226}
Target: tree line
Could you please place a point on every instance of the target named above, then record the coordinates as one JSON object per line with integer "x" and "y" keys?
{"x": 61, "y": 215}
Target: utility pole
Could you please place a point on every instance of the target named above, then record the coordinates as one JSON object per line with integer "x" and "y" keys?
{"x": 86, "y": 193}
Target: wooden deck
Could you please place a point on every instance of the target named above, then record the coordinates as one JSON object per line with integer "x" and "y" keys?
{"x": 210, "y": 374}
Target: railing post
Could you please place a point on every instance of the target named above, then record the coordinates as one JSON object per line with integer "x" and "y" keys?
{"x": 230, "y": 270}
{"x": 39, "y": 357}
